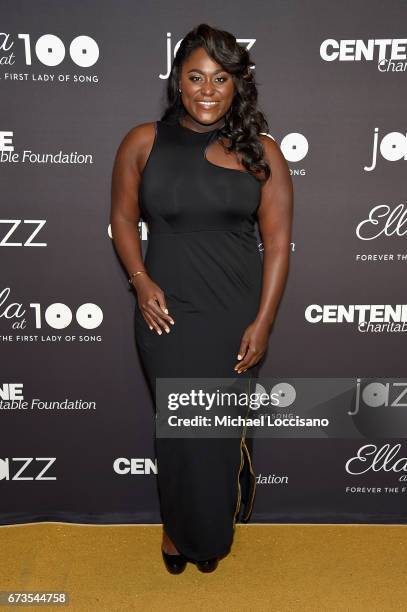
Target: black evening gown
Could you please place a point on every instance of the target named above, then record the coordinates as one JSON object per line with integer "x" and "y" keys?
{"x": 202, "y": 251}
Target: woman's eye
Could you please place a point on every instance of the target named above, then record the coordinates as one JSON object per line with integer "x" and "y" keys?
{"x": 222, "y": 79}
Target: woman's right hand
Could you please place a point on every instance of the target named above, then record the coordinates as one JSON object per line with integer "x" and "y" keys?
{"x": 151, "y": 301}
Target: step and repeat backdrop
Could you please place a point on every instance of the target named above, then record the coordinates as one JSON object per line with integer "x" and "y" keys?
{"x": 76, "y": 415}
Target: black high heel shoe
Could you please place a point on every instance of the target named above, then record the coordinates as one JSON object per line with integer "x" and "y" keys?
{"x": 209, "y": 565}
{"x": 175, "y": 564}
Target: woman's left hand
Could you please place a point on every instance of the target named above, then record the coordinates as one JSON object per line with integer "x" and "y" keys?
{"x": 253, "y": 345}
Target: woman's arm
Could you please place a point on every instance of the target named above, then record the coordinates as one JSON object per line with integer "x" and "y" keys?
{"x": 275, "y": 223}
{"x": 125, "y": 211}
{"x": 275, "y": 214}
{"x": 129, "y": 163}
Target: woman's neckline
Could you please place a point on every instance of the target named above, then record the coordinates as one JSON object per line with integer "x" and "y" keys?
{"x": 195, "y": 131}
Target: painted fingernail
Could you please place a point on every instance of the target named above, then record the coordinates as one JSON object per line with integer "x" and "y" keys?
{"x": 167, "y": 329}
{"x": 166, "y": 311}
{"x": 159, "y": 331}
{"x": 151, "y": 327}
{"x": 239, "y": 356}
{"x": 172, "y": 322}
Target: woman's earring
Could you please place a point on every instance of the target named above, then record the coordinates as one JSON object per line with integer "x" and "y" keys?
{"x": 179, "y": 90}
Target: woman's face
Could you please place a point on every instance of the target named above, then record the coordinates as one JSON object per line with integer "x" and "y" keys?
{"x": 203, "y": 80}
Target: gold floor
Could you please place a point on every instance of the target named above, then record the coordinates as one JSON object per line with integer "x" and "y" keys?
{"x": 271, "y": 567}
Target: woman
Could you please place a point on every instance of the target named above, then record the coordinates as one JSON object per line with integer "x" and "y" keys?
{"x": 200, "y": 177}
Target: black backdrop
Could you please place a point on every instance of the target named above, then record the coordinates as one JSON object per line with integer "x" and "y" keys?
{"x": 74, "y": 78}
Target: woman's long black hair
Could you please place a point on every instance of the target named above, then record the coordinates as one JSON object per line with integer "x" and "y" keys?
{"x": 243, "y": 121}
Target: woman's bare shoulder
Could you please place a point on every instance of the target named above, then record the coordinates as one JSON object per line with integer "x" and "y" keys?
{"x": 274, "y": 155}
{"x": 271, "y": 147}
{"x": 141, "y": 132}
{"x": 137, "y": 142}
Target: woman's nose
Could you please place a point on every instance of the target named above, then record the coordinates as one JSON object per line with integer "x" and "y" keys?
{"x": 208, "y": 88}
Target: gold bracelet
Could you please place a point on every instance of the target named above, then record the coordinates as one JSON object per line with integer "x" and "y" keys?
{"x": 133, "y": 274}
